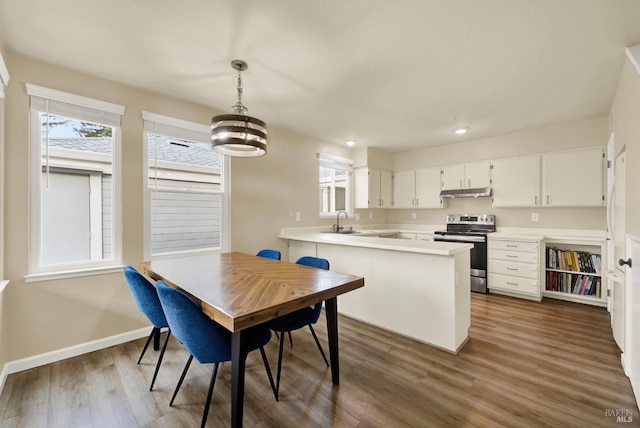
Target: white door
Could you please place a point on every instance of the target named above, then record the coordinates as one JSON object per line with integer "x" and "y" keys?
{"x": 616, "y": 248}
{"x": 631, "y": 356}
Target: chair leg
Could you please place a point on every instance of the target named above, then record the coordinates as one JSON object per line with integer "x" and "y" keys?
{"x": 164, "y": 347}
{"x": 205, "y": 414}
{"x": 290, "y": 339}
{"x": 266, "y": 366}
{"x": 184, "y": 372}
{"x": 146, "y": 345}
{"x": 318, "y": 343}
{"x": 279, "y": 365}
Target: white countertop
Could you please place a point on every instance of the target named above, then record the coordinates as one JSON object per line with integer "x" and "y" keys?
{"x": 425, "y": 247}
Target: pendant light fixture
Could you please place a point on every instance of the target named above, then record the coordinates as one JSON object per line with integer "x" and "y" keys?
{"x": 238, "y": 134}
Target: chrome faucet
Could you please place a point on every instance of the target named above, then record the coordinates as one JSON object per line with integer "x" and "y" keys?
{"x": 338, "y": 227}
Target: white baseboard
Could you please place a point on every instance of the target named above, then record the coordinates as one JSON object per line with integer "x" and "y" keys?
{"x": 72, "y": 351}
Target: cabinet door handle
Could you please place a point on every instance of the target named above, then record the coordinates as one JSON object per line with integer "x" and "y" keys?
{"x": 461, "y": 183}
{"x": 469, "y": 183}
{"x": 417, "y": 202}
{"x": 535, "y": 200}
{"x": 512, "y": 246}
{"x": 512, "y": 283}
{"x": 512, "y": 256}
{"x": 547, "y": 199}
{"x": 413, "y": 202}
{"x": 512, "y": 268}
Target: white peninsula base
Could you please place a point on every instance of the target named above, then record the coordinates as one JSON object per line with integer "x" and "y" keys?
{"x": 418, "y": 294}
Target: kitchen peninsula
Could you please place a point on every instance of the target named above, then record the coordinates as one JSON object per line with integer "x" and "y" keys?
{"x": 415, "y": 288}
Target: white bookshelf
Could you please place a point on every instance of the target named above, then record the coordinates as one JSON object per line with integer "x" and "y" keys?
{"x": 571, "y": 280}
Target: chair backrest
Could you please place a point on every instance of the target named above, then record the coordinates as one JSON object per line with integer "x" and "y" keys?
{"x": 319, "y": 263}
{"x": 146, "y": 298}
{"x": 269, "y": 254}
{"x": 315, "y": 262}
{"x": 206, "y": 340}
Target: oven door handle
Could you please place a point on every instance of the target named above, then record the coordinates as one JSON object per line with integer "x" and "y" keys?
{"x": 459, "y": 238}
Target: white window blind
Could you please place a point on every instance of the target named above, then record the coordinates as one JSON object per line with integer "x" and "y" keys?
{"x": 335, "y": 162}
{"x": 63, "y": 104}
{"x": 177, "y": 128}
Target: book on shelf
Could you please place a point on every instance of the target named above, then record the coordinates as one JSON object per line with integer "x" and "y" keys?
{"x": 571, "y": 283}
{"x": 574, "y": 261}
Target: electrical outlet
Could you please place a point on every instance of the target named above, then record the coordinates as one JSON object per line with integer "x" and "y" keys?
{"x": 297, "y": 216}
{"x": 534, "y": 216}
{"x": 370, "y": 215}
{"x": 413, "y": 216}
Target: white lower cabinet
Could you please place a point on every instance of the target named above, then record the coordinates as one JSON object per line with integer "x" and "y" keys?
{"x": 514, "y": 267}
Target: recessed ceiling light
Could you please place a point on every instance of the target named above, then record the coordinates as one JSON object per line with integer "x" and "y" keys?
{"x": 351, "y": 143}
{"x": 461, "y": 130}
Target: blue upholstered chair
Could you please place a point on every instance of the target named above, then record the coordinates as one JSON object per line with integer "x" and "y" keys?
{"x": 300, "y": 318}
{"x": 204, "y": 339}
{"x": 146, "y": 298}
{"x": 269, "y": 254}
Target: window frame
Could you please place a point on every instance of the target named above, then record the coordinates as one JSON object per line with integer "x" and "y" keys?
{"x": 343, "y": 164}
{"x": 36, "y": 270}
{"x": 190, "y": 131}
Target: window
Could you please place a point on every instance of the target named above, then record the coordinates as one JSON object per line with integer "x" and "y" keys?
{"x": 75, "y": 197}
{"x": 335, "y": 191}
{"x": 186, "y": 200}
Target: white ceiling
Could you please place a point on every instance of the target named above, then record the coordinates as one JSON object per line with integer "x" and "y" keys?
{"x": 393, "y": 74}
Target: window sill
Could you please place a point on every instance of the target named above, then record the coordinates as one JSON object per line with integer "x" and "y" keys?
{"x": 48, "y": 276}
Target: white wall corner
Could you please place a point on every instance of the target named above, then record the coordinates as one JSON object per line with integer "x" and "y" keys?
{"x": 633, "y": 53}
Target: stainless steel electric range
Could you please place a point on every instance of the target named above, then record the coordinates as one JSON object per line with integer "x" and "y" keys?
{"x": 473, "y": 229}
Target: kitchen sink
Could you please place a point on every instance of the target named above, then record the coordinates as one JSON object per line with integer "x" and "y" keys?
{"x": 342, "y": 232}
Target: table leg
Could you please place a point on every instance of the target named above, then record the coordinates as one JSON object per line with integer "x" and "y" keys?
{"x": 238, "y": 360}
{"x": 331, "y": 306}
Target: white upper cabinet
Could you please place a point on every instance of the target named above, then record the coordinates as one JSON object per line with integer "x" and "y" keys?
{"x": 428, "y": 188}
{"x": 417, "y": 188}
{"x": 466, "y": 176}
{"x": 404, "y": 189}
{"x": 516, "y": 182}
{"x": 573, "y": 178}
{"x": 373, "y": 188}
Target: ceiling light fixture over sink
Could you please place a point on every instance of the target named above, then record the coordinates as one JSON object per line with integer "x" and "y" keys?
{"x": 238, "y": 134}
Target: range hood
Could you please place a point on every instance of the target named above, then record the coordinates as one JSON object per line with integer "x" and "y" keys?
{"x": 466, "y": 193}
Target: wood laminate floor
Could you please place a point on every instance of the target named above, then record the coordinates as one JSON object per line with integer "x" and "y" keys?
{"x": 527, "y": 364}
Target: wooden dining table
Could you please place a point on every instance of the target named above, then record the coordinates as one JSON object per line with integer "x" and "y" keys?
{"x": 240, "y": 290}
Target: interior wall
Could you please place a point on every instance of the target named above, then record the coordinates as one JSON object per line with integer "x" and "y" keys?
{"x": 573, "y": 135}
{"x": 564, "y": 136}
{"x": 625, "y": 123}
{"x": 268, "y": 191}
{"x": 49, "y": 315}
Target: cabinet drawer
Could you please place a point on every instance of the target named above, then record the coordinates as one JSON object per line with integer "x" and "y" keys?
{"x": 524, "y": 270}
{"x": 512, "y": 283}
{"x": 513, "y": 245}
{"x": 514, "y": 256}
